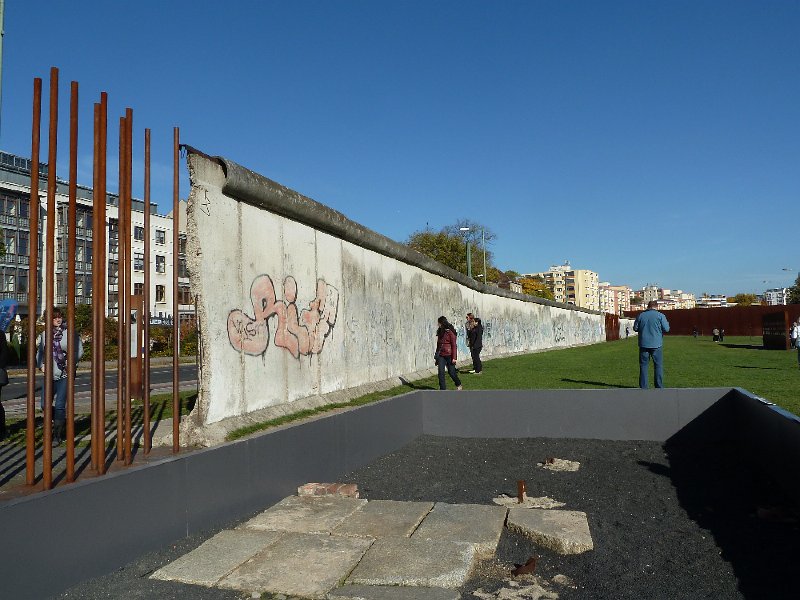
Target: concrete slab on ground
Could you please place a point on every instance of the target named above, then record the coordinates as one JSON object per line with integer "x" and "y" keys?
{"x": 399, "y": 561}
{"x": 385, "y": 518}
{"x": 299, "y": 564}
{"x": 305, "y": 514}
{"x": 475, "y": 523}
{"x": 393, "y": 592}
{"x": 215, "y": 558}
{"x": 563, "y": 531}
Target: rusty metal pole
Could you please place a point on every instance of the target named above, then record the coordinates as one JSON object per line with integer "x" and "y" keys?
{"x": 126, "y": 284}
{"x": 99, "y": 293}
{"x": 95, "y": 454}
{"x": 120, "y": 277}
{"x": 146, "y": 299}
{"x": 176, "y": 397}
{"x": 33, "y": 286}
{"x": 50, "y": 259}
{"x": 71, "y": 231}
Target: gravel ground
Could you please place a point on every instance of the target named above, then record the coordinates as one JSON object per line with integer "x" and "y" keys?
{"x": 667, "y": 522}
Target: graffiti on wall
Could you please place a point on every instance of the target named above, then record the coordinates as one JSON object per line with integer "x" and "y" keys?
{"x": 299, "y": 332}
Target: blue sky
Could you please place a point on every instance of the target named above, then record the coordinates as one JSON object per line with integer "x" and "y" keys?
{"x": 650, "y": 141}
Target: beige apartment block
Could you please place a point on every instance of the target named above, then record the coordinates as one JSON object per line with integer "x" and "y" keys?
{"x": 572, "y": 286}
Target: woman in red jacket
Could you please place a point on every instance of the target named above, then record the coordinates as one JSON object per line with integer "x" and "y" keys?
{"x": 446, "y": 353}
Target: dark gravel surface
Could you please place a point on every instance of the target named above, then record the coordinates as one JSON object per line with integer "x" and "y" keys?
{"x": 667, "y": 522}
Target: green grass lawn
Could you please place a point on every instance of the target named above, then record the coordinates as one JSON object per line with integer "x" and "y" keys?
{"x": 688, "y": 362}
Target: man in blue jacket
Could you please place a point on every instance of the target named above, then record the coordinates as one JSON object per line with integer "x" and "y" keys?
{"x": 651, "y": 325}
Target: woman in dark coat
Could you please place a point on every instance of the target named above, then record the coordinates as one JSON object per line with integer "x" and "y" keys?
{"x": 446, "y": 353}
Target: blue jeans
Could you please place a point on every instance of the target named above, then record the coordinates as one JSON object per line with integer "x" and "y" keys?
{"x": 644, "y": 364}
{"x": 447, "y": 362}
{"x": 60, "y": 394}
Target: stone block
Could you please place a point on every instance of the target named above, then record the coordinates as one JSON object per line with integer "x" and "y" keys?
{"x": 475, "y": 523}
{"x": 563, "y": 531}
{"x": 305, "y": 514}
{"x": 215, "y": 558}
{"x": 299, "y": 564}
{"x": 399, "y": 561}
{"x": 385, "y": 518}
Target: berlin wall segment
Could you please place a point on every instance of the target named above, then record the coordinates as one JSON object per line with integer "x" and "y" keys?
{"x": 295, "y": 301}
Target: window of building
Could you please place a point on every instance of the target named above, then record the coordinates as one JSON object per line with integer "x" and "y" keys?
{"x": 182, "y": 270}
{"x": 138, "y": 233}
{"x": 23, "y": 243}
{"x": 181, "y": 244}
{"x": 8, "y": 283}
{"x": 184, "y": 295}
{"x": 138, "y": 261}
{"x": 79, "y": 287}
{"x": 161, "y": 264}
{"x": 10, "y": 240}
{"x": 24, "y": 205}
{"x": 160, "y": 293}
{"x": 138, "y": 289}
{"x": 22, "y": 282}
{"x": 161, "y": 237}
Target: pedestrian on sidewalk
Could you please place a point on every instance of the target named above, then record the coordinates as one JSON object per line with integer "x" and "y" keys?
{"x": 3, "y": 381}
{"x": 59, "y": 371}
{"x": 475, "y": 342}
{"x": 446, "y": 353}
{"x": 651, "y": 325}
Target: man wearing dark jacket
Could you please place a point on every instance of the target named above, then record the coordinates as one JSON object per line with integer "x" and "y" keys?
{"x": 475, "y": 342}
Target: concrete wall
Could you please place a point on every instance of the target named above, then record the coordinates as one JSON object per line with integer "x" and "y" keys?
{"x": 57, "y": 538}
{"x": 297, "y": 301}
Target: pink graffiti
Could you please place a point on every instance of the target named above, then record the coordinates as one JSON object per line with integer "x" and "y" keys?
{"x": 300, "y": 333}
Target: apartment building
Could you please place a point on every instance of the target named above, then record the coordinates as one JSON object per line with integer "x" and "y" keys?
{"x": 713, "y": 301}
{"x": 614, "y": 299}
{"x": 15, "y": 189}
{"x": 572, "y": 286}
{"x": 666, "y": 298}
{"x": 776, "y": 296}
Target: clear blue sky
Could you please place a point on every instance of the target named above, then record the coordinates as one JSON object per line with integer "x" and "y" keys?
{"x": 650, "y": 141}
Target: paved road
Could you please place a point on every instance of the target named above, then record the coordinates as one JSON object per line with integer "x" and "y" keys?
{"x": 15, "y": 392}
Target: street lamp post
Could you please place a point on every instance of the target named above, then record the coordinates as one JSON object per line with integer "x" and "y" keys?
{"x": 469, "y": 253}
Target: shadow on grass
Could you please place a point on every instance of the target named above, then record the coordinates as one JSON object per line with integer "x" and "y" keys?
{"x": 752, "y": 367}
{"x": 597, "y": 383}
{"x": 744, "y": 346}
{"x": 413, "y": 386}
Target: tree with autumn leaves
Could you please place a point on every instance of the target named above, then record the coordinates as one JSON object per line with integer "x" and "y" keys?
{"x": 449, "y": 247}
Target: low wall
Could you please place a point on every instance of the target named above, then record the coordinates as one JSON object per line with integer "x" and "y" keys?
{"x": 295, "y": 301}
{"x": 92, "y": 527}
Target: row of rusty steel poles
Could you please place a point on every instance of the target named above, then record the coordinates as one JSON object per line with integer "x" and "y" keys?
{"x": 125, "y": 301}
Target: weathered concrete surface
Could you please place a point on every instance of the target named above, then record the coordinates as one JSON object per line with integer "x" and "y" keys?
{"x": 305, "y": 514}
{"x": 475, "y": 523}
{"x": 415, "y": 561}
{"x": 377, "y": 592}
{"x": 385, "y": 518}
{"x": 215, "y": 558}
{"x": 296, "y": 301}
{"x": 563, "y": 531}
{"x": 300, "y": 564}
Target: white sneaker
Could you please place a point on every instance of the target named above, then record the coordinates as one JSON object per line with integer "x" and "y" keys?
{"x": 472, "y": 371}
{"x": 459, "y": 388}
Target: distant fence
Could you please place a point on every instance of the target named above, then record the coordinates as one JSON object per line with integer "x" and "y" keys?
{"x": 737, "y": 320}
